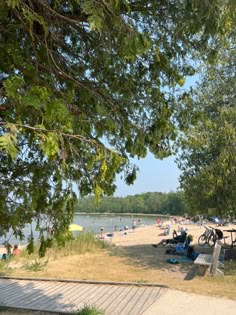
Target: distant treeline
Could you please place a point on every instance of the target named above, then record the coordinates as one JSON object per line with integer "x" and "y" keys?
{"x": 172, "y": 203}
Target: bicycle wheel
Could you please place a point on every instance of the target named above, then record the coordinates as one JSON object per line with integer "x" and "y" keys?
{"x": 202, "y": 240}
{"x": 212, "y": 240}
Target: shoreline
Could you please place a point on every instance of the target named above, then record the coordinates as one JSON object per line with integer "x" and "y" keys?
{"x": 129, "y": 214}
{"x": 151, "y": 234}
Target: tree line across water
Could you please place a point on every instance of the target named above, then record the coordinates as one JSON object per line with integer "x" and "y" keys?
{"x": 172, "y": 203}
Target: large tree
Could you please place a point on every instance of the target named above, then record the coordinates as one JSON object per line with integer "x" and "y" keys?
{"x": 84, "y": 85}
{"x": 208, "y": 157}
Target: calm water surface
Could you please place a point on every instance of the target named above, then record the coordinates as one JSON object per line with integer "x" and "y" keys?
{"x": 94, "y": 222}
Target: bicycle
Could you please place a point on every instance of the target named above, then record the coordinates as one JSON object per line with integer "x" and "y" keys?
{"x": 209, "y": 237}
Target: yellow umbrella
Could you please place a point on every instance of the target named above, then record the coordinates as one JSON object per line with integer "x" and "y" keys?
{"x": 75, "y": 227}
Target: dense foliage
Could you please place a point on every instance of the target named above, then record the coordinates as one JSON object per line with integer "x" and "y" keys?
{"x": 208, "y": 157}
{"x": 85, "y": 84}
{"x": 172, "y": 203}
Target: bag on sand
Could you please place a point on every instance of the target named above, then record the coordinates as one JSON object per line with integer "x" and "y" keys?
{"x": 191, "y": 253}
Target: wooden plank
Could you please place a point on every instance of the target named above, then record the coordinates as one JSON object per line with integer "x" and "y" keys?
{"x": 48, "y": 295}
{"x": 116, "y": 306}
{"x": 138, "y": 296}
{"x": 30, "y": 289}
{"x": 57, "y": 302}
{"x": 69, "y": 296}
{"x": 4, "y": 283}
{"x": 143, "y": 302}
{"x": 71, "y": 293}
{"x": 153, "y": 297}
{"x": 147, "y": 300}
{"x": 102, "y": 293}
{"x": 11, "y": 291}
{"x": 130, "y": 307}
{"x": 93, "y": 299}
{"x": 109, "y": 298}
{"x": 215, "y": 259}
{"x": 40, "y": 289}
{"x": 120, "y": 306}
{"x": 66, "y": 296}
{"x": 23, "y": 288}
{"x": 77, "y": 289}
{"x": 80, "y": 296}
{"x": 203, "y": 259}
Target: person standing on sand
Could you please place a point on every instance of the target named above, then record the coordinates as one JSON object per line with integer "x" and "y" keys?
{"x": 102, "y": 232}
{"x": 133, "y": 225}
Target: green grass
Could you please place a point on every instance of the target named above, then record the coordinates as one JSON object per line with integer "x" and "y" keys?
{"x": 84, "y": 242}
{"x": 35, "y": 266}
{"x": 90, "y": 310}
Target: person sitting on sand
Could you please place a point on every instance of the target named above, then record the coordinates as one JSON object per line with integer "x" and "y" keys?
{"x": 16, "y": 250}
{"x": 4, "y": 256}
{"x": 176, "y": 239}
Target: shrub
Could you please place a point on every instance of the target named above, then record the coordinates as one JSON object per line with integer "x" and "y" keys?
{"x": 90, "y": 310}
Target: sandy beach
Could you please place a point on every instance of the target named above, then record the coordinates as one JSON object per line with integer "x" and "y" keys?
{"x": 138, "y": 246}
{"x": 154, "y": 234}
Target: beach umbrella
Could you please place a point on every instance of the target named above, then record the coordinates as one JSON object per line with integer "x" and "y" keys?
{"x": 75, "y": 227}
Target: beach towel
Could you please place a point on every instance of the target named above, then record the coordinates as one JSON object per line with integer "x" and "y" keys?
{"x": 172, "y": 261}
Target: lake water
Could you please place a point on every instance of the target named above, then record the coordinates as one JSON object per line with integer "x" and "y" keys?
{"x": 94, "y": 222}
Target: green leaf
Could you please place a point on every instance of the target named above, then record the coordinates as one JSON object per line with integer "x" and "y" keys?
{"x": 13, "y": 3}
{"x": 8, "y": 142}
{"x": 50, "y": 145}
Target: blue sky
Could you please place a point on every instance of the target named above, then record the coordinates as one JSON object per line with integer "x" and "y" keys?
{"x": 154, "y": 175}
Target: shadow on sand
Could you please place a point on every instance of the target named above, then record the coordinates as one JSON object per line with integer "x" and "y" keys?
{"x": 148, "y": 257}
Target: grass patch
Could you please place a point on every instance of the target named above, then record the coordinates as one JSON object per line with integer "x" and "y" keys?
{"x": 35, "y": 266}
{"x": 4, "y": 267}
{"x": 141, "y": 281}
{"x": 90, "y": 310}
{"x": 85, "y": 258}
{"x": 84, "y": 242}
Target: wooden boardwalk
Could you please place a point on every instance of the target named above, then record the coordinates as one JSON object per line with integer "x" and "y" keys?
{"x": 70, "y": 296}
